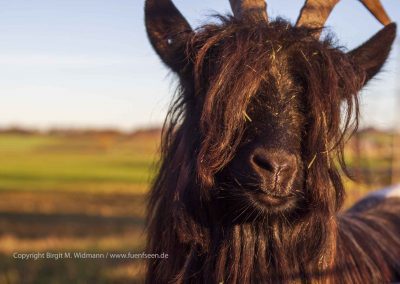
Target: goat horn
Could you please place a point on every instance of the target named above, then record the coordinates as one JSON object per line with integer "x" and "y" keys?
{"x": 315, "y": 12}
{"x": 249, "y": 8}
{"x": 376, "y": 9}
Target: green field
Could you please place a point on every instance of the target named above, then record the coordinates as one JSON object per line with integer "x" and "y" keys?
{"x": 70, "y": 192}
{"x": 79, "y": 192}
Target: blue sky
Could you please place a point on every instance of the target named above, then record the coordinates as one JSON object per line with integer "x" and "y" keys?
{"x": 88, "y": 63}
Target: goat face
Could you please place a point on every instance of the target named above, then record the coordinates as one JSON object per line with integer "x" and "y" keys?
{"x": 261, "y": 107}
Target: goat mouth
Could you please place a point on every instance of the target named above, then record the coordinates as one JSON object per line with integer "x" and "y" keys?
{"x": 274, "y": 200}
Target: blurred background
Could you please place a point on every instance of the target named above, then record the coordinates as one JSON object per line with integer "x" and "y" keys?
{"x": 82, "y": 99}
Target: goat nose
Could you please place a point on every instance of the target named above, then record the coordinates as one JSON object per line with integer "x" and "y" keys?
{"x": 277, "y": 168}
{"x": 271, "y": 162}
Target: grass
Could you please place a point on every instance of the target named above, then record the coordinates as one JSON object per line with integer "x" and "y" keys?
{"x": 45, "y": 161}
{"x": 69, "y": 192}
{"x": 80, "y": 192}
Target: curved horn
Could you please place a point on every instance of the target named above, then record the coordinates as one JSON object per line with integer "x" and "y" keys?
{"x": 376, "y": 9}
{"x": 168, "y": 31}
{"x": 315, "y": 12}
{"x": 249, "y": 8}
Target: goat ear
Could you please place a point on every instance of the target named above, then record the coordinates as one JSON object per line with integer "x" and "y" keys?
{"x": 168, "y": 32}
{"x": 372, "y": 55}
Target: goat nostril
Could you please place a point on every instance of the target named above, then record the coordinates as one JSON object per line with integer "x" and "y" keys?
{"x": 263, "y": 163}
{"x": 275, "y": 170}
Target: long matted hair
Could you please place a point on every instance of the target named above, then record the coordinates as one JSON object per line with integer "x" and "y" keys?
{"x": 250, "y": 88}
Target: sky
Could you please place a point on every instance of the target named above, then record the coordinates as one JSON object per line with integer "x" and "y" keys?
{"x": 88, "y": 63}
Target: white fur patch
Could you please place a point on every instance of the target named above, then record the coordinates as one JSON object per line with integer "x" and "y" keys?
{"x": 392, "y": 191}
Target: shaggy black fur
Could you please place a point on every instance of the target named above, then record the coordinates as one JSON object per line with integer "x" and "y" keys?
{"x": 249, "y": 188}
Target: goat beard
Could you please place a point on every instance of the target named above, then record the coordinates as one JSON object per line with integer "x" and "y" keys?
{"x": 270, "y": 248}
